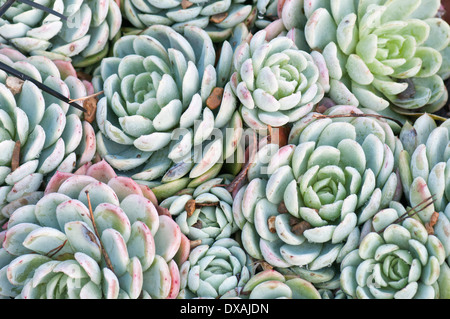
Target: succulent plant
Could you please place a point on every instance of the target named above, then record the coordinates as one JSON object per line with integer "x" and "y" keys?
{"x": 271, "y": 284}
{"x": 323, "y": 279}
{"x": 305, "y": 201}
{"x": 217, "y": 18}
{"x": 424, "y": 167}
{"x": 83, "y": 38}
{"x": 424, "y": 163}
{"x": 275, "y": 82}
{"x": 284, "y": 18}
{"x": 204, "y": 214}
{"x": 267, "y": 11}
{"x": 241, "y": 33}
{"x": 237, "y": 149}
{"x": 212, "y": 271}
{"x": 39, "y": 133}
{"x": 382, "y": 54}
{"x": 399, "y": 259}
{"x": 155, "y": 119}
{"x": 93, "y": 235}
{"x": 330, "y": 294}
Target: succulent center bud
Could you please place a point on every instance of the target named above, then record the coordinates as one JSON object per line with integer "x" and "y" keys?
{"x": 391, "y": 270}
{"x": 323, "y": 186}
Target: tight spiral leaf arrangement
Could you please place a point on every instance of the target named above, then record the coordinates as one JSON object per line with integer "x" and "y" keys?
{"x": 83, "y": 37}
{"x": 214, "y": 270}
{"x": 205, "y": 215}
{"x": 39, "y": 133}
{"x": 232, "y": 149}
{"x": 306, "y": 209}
{"x": 405, "y": 261}
{"x": 92, "y": 235}
{"x": 275, "y": 82}
{"x": 382, "y": 53}
{"x": 153, "y": 118}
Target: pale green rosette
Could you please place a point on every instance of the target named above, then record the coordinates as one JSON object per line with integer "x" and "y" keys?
{"x": 275, "y": 82}
{"x": 382, "y": 53}
{"x": 92, "y": 236}
{"x": 217, "y": 18}
{"x": 153, "y": 119}
{"x": 204, "y": 214}
{"x": 425, "y": 173}
{"x": 305, "y": 202}
{"x": 216, "y": 270}
{"x": 83, "y": 38}
{"x": 39, "y": 134}
{"x": 397, "y": 261}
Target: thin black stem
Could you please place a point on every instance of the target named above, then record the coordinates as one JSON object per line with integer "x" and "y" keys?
{"x": 6, "y": 6}
{"x": 105, "y": 254}
{"x": 43, "y": 8}
{"x": 43, "y": 87}
{"x": 415, "y": 211}
{"x": 33, "y": 4}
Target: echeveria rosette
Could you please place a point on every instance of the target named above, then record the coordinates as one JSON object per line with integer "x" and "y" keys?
{"x": 51, "y": 249}
{"x": 275, "y": 82}
{"x": 425, "y": 163}
{"x": 382, "y": 54}
{"x": 83, "y": 38}
{"x": 205, "y": 223}
{"x": 396, "y": 261}
{"x": 49, "y": 134}
{"x": 305, "y": 202}
{"x": 271, "y": 284}
{"x": 153, "y": 120}
{"x": 217, "y": 18}
{"x": 425, "y": 172}
{"x": 215, "y": 270}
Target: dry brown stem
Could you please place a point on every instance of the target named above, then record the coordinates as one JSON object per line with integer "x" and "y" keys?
{"x": 105, "y": 254}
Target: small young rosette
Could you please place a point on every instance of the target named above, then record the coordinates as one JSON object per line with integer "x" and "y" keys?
{"x": 271, "y": 284}
{"x": 39, "y": 133}
{"x": 382, "y": 53}
{"x": 83, "y": 38}
{"x": 153, "y": 118}
{"x": 93, "y": 235}
{"x": 305, "y": 202}
{"x": 213, "y": 271}
{"x": 217, "y": 18}
{"x": 275, "y": 82}
{"x": 205, "y": 214}
{"x": 398, "y": 260}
